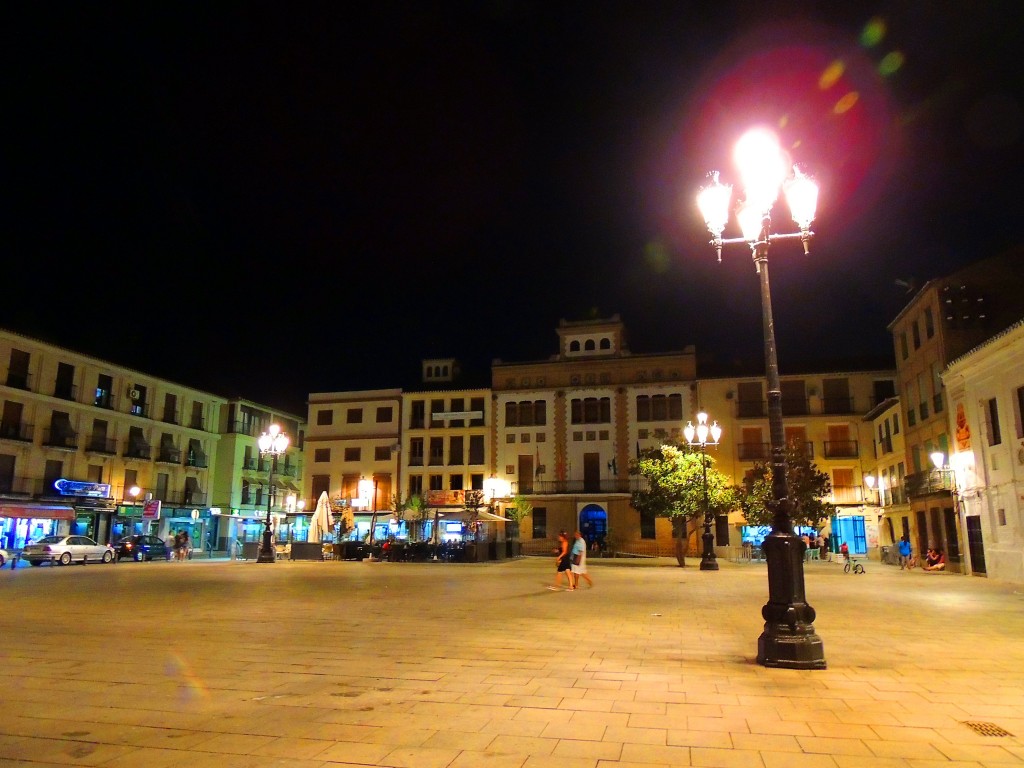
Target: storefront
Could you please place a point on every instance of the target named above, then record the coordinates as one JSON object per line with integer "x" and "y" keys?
{"x": 24, "y": 523}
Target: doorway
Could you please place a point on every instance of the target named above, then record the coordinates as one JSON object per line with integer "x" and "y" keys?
{"x": 975, "y": 544}
{"x": 594, "y": 524}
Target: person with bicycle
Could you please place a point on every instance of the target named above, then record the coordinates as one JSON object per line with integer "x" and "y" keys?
{"x": 844, "y": 551}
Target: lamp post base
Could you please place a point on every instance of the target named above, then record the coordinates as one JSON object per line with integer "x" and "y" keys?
{"x": 788, "y": 640}
{"x": 266, "y": 553}
{"x": 708, "y": 561}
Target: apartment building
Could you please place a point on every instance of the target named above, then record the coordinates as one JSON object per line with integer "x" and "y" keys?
{"x": 887, "y": 470}
{"x": 986, "y": 467}
{"x": 249, "y": 486}
{"x": 353, "y": 444}
{"x": 823, "y": 417}
{"x": 98, "y": 449}
{"x": 945, "y": 319}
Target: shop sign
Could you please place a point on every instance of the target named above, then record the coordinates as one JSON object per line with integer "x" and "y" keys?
{"x": 151, "y": 510}
{"x": 445, "y": 498}
{"x": 81, "y": 488}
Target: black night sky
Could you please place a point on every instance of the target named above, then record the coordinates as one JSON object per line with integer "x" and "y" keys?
{"x": 271, "y": 200}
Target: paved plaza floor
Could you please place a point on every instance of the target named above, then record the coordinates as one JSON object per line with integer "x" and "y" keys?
{"x": 308, "y": 664}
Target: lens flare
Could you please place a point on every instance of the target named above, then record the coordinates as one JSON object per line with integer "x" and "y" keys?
{"x": 846, "y": 103}
{"x": 831, "y": 74}
{"x": 890, "y": 63}
{"x": 873, "y": 32}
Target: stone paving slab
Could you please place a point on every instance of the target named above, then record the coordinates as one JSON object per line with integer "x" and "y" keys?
{"x": 308, "y": 665}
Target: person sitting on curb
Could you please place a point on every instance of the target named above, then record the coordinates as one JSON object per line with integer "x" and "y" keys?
{"x": 935, "y": 561}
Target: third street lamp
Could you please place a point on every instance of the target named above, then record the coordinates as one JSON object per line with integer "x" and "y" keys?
{"x": 699, "y": 436}
{"x": 272, "y": 444}
{"x": 788, "y": 639}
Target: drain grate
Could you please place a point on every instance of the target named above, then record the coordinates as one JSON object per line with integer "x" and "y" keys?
{"x": 987, "y": 729}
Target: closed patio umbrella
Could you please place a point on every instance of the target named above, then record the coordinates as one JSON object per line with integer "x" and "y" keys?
{"x": 321, "y": 525}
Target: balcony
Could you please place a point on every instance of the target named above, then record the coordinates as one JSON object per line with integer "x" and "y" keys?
{"x": 18, "y": 380}
{"x": 841, "y": 449}
{"x": 105, "y": 445}
{"x": 170, "y": 417}
{"x": 608, "y": 485}
{"x": 800, "y": 446}
{"x": 753, "y": 451}
{"x": 197, "y": 459}
{"x": 795, "y": 406}
{"x": 60, "y": 437}
{"x": 751, "y": 409}
{"x": 20, "y": 432}
{"x": 185, "y": 498}
{"x": 104, "y": 400}
{"x": 847, "y": 494}
{"x": 196, "y": 423}
{"x": 416, "y": 461}
{"x": 928, "y": 482}
{"x": 137, "y": 450}
{"x": 837, "y": 405}
{"x": 242, "y": 428}
{"x": 169, "y": 455}
{"x": 139, "y": 409}
{"x": 65, "y": 391}
{"x": 17, "y": 486}
{"x": 885, "y": 446}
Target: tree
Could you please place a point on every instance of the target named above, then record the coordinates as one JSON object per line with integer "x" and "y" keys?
{"x": 398, "y": 506}
{"x": 808, "y": 487}
{"x": 472, "y": 501}
{"x": 675, "y": 489}
{"x": 516, "y": 511}
{"x": 418, "y": 511}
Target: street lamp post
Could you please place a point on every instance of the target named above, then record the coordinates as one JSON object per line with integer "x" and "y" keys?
{"x": 788, "y": 639}
{"x": 272, "y": 444}
{"x": 699, "y": 436}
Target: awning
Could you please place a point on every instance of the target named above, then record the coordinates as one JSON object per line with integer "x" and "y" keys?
{"x": 41, "y": 512}
{"x": 484, "y": 515}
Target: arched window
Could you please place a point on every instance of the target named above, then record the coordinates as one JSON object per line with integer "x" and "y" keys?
{"x": 606, "y": 343}
{"x": 589, "y": 345}
{"x": 444, "y": 371}
{"x": 574, "y": 346}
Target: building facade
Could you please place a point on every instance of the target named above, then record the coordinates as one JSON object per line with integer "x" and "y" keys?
{"x": 97, "y": 449}
{"x": 946, "y": 318}
{"x": 986, "y": 466}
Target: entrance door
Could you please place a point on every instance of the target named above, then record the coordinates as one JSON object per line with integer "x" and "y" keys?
{"x": 952, "y": 538}
{"x": 975, "y": 545}
{"x": 591, "y": 473}
{"x": 525, "y": 476}
{"x": 593, "y": 523}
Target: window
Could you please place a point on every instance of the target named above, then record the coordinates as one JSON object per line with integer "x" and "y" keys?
{"x": 904, "y": 351}
{"x": 352, "y": 454}
{"x": 384, "y": 414}
{"x": 992, "y": 418}
{"x": 458, "y": 405}
{"x": 436, "y": 407}
{"x": 455, "y": 450}
{"x": 417, "y": 414}
{"x": 591, "y": 410}
{"x": 588, "y": 345}
{"x": 322, "y": 455}
{"x": 455, "y": 482}
{"x": 606, "y": 343}
{"x": 540, "y": 522}
{"x": 354, "y": 416}
{"x": 476, "y": 449}
{"x": 324, "y": 417}
{"x": 574, "y": 346}
{"x": 416, "y": 452}
{"x": 476, "y": 405}
{"x": 647, "y": 528}
{"x": 436, "y": 483}
{"x": 929, "y": 323}
{"x": 415, "y": 485}
{"x": 916, "y": 331}
{"x": 381, "y": 453}
{"x": 895, "y": 423}
{"x": 1020, "y": 412}
{"x": 436, "y": 450}
{"x": 540, "y": 413}
{"x": 476, "y": 482}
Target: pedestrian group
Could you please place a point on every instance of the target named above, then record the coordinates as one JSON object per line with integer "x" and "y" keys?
{"x": 571, "y": 561}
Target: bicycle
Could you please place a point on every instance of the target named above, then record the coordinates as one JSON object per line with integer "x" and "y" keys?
{"x": 852, "y": 564}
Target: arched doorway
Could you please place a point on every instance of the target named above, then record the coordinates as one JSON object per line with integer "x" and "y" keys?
{"x": 594, "y": 524}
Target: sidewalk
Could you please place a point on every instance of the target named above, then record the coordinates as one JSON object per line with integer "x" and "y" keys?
{"x": 313, "y": 664}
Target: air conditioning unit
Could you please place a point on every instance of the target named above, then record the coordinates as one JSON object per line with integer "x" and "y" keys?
{"x": 133, "y": 393}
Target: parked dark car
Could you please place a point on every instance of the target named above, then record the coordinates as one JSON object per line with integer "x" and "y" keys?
{"x": 140, "y": 548}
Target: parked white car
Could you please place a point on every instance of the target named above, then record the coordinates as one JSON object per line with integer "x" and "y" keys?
{"x": 66, "y": 550}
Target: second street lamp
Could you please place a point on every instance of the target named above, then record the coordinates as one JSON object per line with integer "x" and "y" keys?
{"x": 788, "y": 639}
{"x": 699, "y": 436}
{"x": 272, "y": 444}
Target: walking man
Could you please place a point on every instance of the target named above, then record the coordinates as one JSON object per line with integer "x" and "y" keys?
{"x": 579, "y": 562}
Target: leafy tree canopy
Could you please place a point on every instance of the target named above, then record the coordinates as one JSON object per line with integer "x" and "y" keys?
{"x": 519, "y": 508}
{"x": 808, "y": 487}
{"x": 675, "y": 484}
